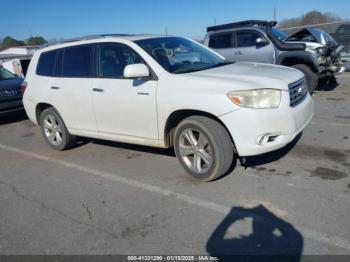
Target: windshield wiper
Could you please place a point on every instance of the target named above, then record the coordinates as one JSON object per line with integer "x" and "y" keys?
{"x": 190, "y": 70}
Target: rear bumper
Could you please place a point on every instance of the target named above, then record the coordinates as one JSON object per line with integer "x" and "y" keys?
{"x": 29, "y": 107}
{"x": 258, "y": 131}
{"x": 8, "y": 106}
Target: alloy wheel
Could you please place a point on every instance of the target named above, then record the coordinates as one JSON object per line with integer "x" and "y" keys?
{"x": 52, "y": 130}
{"x": 195, "y": 150}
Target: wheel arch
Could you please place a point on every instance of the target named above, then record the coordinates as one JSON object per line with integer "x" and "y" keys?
{"x": 293, "y": 60}
{"x": 40, "y": 107}
{"x": 177, "y": 116}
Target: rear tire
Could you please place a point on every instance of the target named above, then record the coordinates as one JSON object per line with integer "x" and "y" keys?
{"x": 203, "y": 147}
{"x": 310, "y": 76}
{"x": 54, "y": 130}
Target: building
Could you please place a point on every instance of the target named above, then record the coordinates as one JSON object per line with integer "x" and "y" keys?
{"x": 16, "y": 59}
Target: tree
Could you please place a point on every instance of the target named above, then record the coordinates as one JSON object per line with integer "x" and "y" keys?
{"x": 11, "y": 42}
{"x": 310, "y": 18}
{"x": 36, "y": 40}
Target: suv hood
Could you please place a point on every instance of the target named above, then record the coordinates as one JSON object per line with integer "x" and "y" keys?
{"x": 247, "y": 76}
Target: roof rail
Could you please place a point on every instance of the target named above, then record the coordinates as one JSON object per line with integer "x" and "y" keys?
{"x": 242, "y": 23}
{"x": 87, "y": 37}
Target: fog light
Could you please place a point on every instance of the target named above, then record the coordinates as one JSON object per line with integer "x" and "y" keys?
{"x": 267, "y": 138}
{"x": 263, "y": 139}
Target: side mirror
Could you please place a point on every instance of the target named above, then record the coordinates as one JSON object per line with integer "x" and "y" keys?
{"x": 136, "y": 71}
{"x": 261, "y": 41}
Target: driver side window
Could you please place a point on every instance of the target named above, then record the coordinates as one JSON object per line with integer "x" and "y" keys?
{"x": 246, "y": 38}
{"x": 113, "y": 58}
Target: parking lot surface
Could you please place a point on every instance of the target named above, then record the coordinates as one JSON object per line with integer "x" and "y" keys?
{"x": 111, "y": 198}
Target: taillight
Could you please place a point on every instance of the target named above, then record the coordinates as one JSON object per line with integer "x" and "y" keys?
{"x": 23, "y": 87}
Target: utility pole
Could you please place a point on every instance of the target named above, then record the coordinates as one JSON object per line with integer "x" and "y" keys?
{"x": 214, "y": 21}
{"x": 274, "y": 14}
{"x": 166, "y": 31}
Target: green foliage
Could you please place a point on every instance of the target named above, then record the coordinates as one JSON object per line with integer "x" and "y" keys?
{"x": 8, "y": 42}
{"x": 11, "y": 42}
{"x": 310, "y": 18}
{"x": 36, "y": 40}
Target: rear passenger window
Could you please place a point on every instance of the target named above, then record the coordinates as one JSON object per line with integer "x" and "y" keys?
{"x": 46, "y": 64}
{"x": 76, "y": 61}
{"x": 221, "y": 41}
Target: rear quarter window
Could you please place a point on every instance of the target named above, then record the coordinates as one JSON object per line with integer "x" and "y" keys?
{"x": 220, "y": 40}
{"x": 46, "y": 63}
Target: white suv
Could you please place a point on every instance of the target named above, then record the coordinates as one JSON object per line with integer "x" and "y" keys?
{"x": 165, "y": 91}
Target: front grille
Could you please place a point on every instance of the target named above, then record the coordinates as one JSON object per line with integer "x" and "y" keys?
{"x": 9, "y": 93}
{"x": 297, "y": 92}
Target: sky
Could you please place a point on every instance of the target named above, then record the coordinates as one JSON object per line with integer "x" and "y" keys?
{"x": 55, "y": 19}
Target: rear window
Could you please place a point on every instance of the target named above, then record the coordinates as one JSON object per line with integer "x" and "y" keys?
{"x": 46, "y": 64}
{"x": 76, "y": 61}
{"x": 221, "y": 41}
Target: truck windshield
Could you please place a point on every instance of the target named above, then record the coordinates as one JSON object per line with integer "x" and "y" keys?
{"x": 4, "y": 74}
{"x": 279, "y": 34}
{"x": 179, "y": 55}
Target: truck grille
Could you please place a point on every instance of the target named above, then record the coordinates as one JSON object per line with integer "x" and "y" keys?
{"x": 297, "y": 92}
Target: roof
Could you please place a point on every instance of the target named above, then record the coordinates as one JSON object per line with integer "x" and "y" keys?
{"x": 241, "y": 23}
{"x": 130, "y": 37}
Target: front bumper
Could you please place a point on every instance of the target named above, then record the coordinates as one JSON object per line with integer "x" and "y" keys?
{"x": 258, "y": 131}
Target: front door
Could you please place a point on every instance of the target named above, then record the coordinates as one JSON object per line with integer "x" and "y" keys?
{"x": 125, "y": 109}
{"x": 246, "y": 48}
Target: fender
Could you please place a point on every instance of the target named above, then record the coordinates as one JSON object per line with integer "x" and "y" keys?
{"x": 297, "y": 57}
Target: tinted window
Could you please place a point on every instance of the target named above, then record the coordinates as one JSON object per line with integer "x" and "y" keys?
{"x": 46, "y": 64}
{"x": 113, "y": 58}
{"x": 246, "y": 38}
{"x": 76, "y": 61}
{"x": 221, "y": 41}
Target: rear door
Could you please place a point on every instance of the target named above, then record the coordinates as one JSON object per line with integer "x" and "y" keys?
{"x": 246, "y": 48}
{"x": 222, "y": 43}
{"x": 70, "y": 90}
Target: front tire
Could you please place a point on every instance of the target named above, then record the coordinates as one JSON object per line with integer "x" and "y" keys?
{"x": 310, "y": 76}
{"x": 54, "y": 130}
{"x": 203, "y": 147}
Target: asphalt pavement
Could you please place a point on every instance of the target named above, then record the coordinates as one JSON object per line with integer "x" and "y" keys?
{"x": 112, "y": 198}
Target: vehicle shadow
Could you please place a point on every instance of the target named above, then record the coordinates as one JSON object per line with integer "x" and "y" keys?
{"x": 270, "y": 239}
{"x": 328, "y": 84}
{"x": 252, "y": 161}
{"x": 12, "y": 117}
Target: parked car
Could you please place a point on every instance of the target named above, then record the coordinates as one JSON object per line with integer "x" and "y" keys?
{"x": 165, "y": 92}
{"x": 10, "y": 91}
{"x": 312, "y": 51}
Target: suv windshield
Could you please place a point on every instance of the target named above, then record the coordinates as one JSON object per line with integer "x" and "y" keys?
{"x": 279, "y": 34}
{"x": 4, "y": 74}
{"x": 178, "y": 55}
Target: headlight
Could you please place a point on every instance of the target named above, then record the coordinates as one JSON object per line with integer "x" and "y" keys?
{"x": 259, "y": 98}
{"x": 321, "y": 50}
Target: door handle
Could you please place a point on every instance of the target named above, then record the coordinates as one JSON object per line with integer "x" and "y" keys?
{"x": 55, "y": 87}
{"x": 99, "y": 90}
